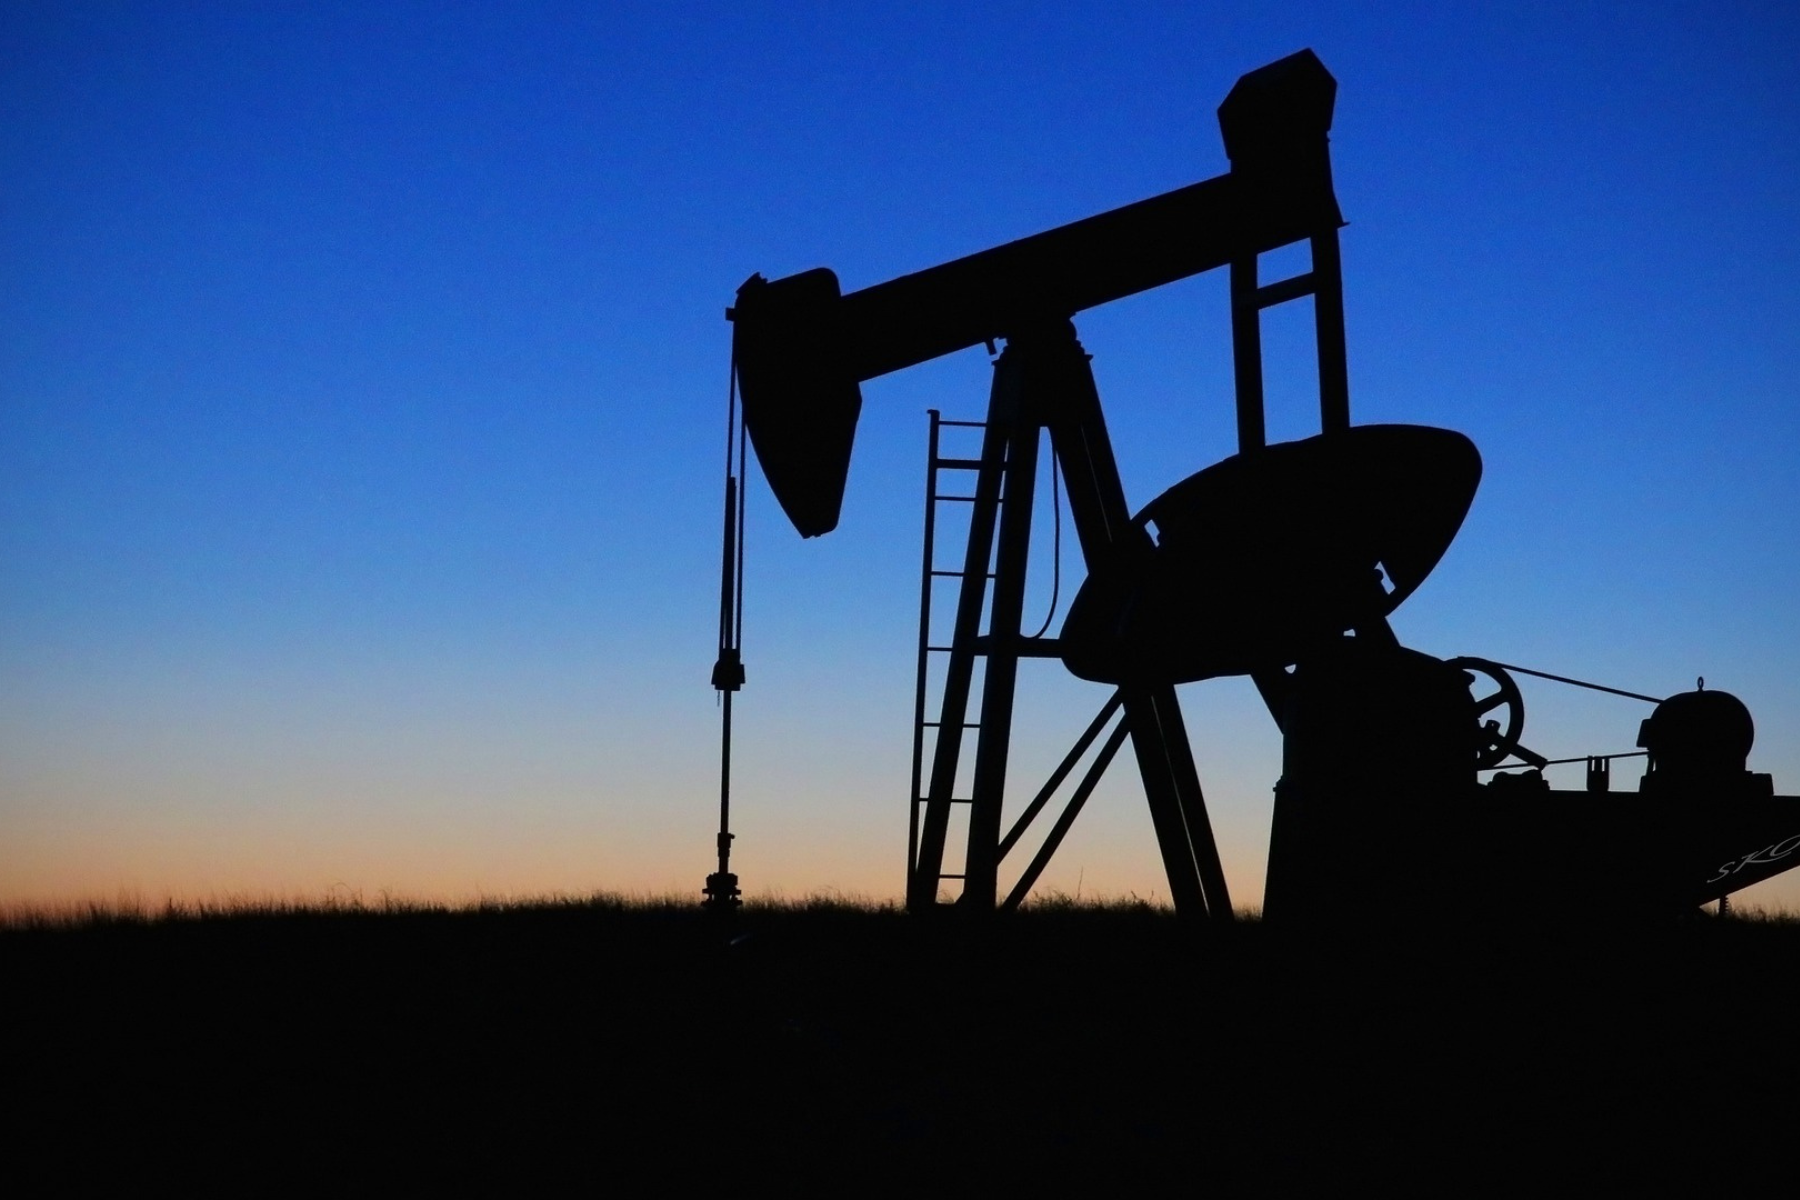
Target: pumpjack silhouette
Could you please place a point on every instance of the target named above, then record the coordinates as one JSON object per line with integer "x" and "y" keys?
{"x": 1282, "y": 563}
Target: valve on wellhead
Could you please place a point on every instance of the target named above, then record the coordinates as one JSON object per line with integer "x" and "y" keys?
{"x": 721, "y": 889}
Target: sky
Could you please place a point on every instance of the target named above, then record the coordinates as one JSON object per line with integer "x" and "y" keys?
{"x": 363, "y": 378}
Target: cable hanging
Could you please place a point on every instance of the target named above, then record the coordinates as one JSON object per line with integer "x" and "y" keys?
{"x": 1056, "y": 549}
{"x": 721, "y": 889}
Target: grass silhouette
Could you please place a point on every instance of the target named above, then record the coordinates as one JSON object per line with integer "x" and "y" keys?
{"x": 829, "y": 1041}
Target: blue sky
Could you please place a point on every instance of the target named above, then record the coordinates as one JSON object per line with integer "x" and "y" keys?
{"x": 362, "y": 379}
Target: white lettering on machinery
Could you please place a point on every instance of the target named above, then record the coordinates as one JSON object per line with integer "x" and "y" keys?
{"x": 1768, "y": 854}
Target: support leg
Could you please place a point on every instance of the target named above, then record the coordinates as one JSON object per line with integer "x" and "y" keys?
{"x": 1006, "y": 610}
{"x": 1153, "y": 715}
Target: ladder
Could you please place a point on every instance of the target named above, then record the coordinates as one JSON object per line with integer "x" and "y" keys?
{"x": 958, "y": 670}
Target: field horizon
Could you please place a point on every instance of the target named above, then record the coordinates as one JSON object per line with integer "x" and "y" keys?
{"x": 825, "y": 1041}
{"x": 132, "y": 909}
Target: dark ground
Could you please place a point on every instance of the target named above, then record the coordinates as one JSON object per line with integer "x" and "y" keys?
{"x": 644, "y": 1050}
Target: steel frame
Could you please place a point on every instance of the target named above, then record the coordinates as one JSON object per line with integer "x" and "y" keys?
{"x": 1043, "y": 384}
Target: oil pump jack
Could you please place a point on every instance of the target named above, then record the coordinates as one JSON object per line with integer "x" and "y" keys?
{"x": 1281, "y": 563}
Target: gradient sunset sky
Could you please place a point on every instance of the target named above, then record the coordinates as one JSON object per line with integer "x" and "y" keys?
{"x": 362, "y": 389}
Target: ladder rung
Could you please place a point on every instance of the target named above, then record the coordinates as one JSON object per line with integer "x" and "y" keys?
{"x": 952, "y": 876}
{"x": 1024, "y": 647}
{"x": 964, "y": 499}
{"x": 964, "y": 424}
{"x": 960, "y": 574}
{"x": 965, "y": 724}
{"x": 956, "y": 464}
{"x": 941, "y": 649}
{"x": 1272, "y": 294}
{"x": 953, "y": 800}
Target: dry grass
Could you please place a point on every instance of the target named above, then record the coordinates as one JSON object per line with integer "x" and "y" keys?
{"x": 345, "y": 901}
{"x": 131, "y": 910}
{"x": 831, "y": 1035}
